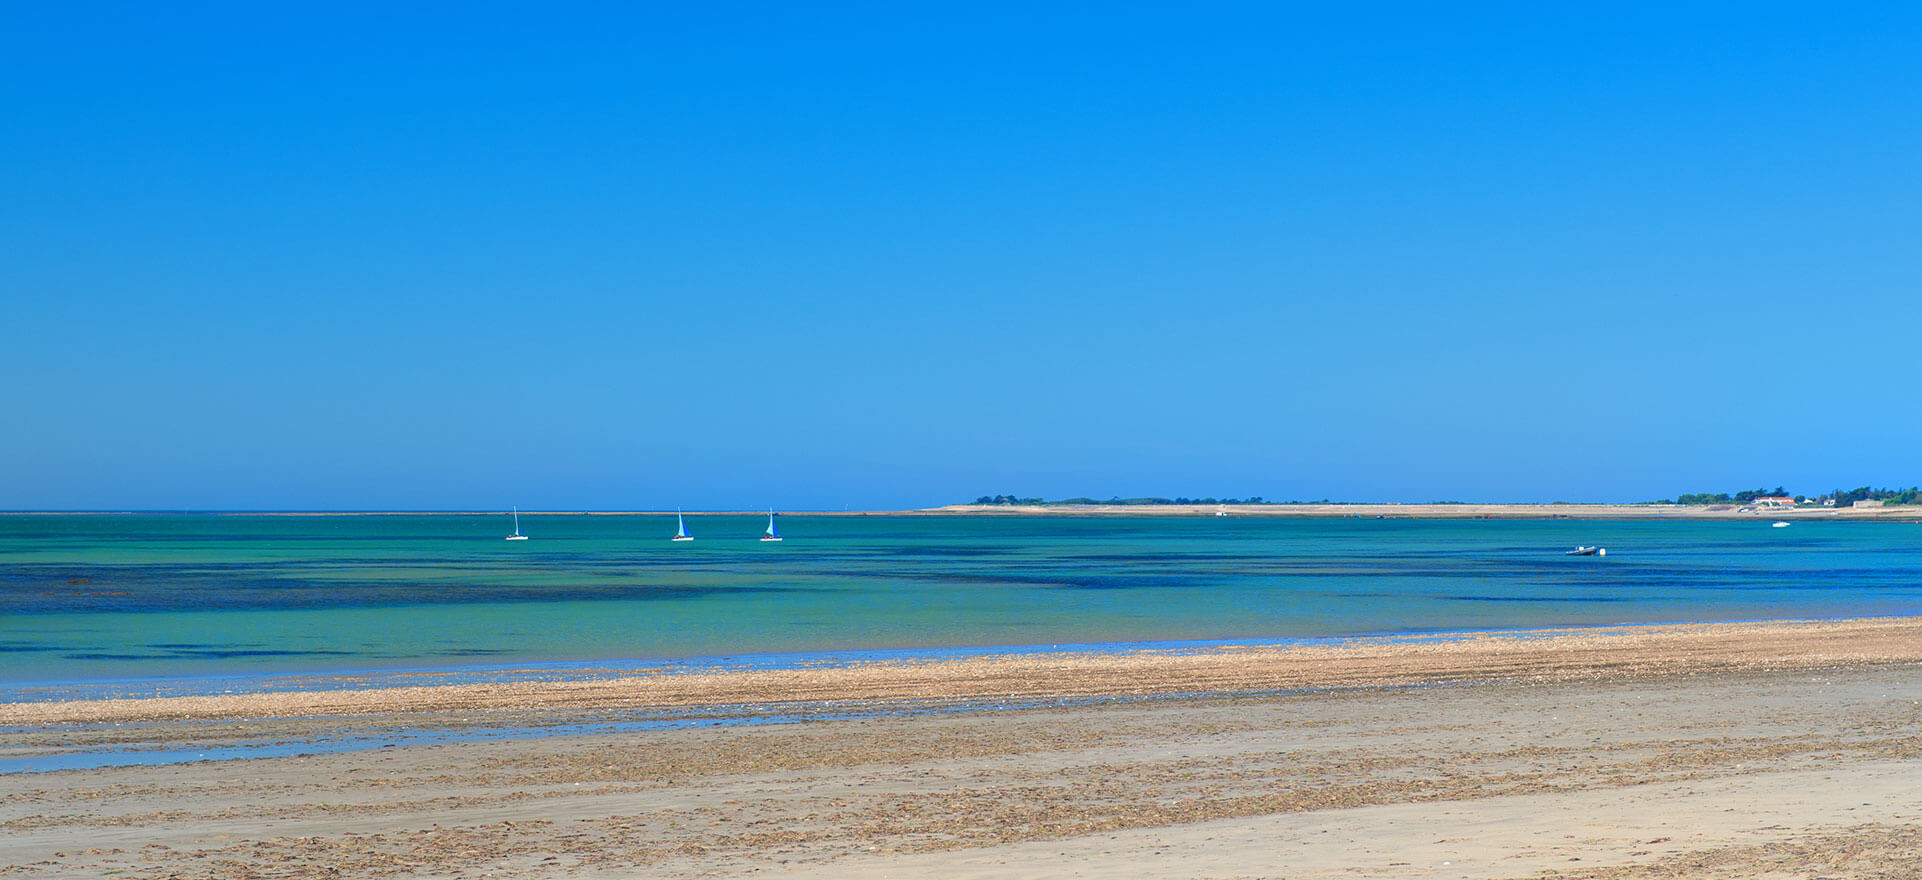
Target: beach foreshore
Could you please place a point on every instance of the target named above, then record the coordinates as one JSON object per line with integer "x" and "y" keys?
{"x": 1529, "y": 655}
{"x": 1715, "y": 750}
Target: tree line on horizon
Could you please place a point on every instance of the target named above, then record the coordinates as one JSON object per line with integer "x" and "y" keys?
{"x": 1841, "y": 497}
{"x": 1036, "y": 502}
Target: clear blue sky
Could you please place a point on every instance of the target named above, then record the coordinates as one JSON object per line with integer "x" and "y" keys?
{"x": 733, "y": 256}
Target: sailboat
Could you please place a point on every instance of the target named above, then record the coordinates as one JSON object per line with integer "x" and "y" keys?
{"x": 517, "y": 536}
{"x": 682, "y": 535}
{"x": 772, "y": 534}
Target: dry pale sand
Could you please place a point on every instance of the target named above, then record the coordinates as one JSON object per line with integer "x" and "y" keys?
{"x": 1762, "y": 751}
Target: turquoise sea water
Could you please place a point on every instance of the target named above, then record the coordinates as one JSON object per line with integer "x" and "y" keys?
{"x": 124, "y": 598}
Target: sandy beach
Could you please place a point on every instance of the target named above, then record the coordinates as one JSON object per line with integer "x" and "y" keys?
{"x": 1791, "y": 750}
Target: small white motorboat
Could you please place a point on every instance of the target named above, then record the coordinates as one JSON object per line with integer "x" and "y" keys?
{"x": 1778, "y": 524}
{"x": 1587, "y": 551}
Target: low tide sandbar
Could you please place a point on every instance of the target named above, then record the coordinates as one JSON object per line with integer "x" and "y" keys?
{"x": 1530, "y": 655}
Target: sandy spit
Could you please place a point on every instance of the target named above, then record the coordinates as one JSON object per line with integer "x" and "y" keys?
{"x": 1544, "y": 655}
{"x": 1736, "y": 512}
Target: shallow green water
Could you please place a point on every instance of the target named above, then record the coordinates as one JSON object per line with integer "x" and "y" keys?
{"x": 89, "y": 598}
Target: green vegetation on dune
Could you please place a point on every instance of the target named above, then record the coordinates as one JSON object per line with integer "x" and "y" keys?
{"x": 1911, "y": 495}
{"x": 1838, "y": 498}
{"x": 1037, "y": 502}
{"x": 1742, "y": 497}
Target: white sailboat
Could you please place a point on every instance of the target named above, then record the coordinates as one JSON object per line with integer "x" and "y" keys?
{"x": 772, "y": 533}
{"x": 682, "y": 535}
{"x": 517, "y": 536}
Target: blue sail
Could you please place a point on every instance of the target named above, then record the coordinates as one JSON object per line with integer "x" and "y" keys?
{"x": 772, "y": 532}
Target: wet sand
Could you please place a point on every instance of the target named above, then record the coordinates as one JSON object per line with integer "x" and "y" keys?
{"x": 1720, "y": 751}
{"x": 1542, "y": 655}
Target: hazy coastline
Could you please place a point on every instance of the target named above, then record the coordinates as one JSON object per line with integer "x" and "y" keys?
{"x": 1448, "y": 511}
{"x": 1384, "y": 510}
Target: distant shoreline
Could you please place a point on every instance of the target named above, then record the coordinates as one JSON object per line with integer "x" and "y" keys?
{"x": 1804, "y": 513}
{"x": 1274, "y": 511}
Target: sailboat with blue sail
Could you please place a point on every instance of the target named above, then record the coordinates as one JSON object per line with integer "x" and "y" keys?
{"x": 517, "y": 536}
{"x": 682, "y": 535}
{"x": 772, "y": 533}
